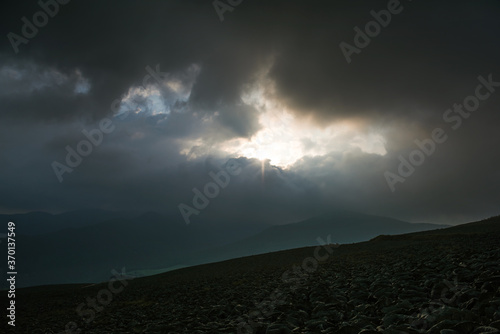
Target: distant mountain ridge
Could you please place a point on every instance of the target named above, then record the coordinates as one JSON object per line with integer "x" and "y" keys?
{"x": 398, "y": 276}
{"x": 36, "y": 223}
{"x": 342, "y": 226}
{"x": 59, "y": 252}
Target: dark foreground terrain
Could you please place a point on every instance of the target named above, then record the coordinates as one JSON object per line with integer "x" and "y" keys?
{"x": 444, "y": 281}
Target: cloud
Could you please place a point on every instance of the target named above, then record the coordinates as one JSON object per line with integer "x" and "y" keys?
{"x": 219, "y": 83}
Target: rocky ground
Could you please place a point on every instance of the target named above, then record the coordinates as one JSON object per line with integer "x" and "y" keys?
{"x": 430, "y": 282}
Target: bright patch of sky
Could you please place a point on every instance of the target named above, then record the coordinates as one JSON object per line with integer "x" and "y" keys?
{"x": 161, "y": 96}
{"x": 284, "y": 138}
{"x": 31, "y": 77}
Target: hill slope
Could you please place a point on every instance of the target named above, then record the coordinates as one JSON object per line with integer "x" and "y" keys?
{"x": 428, "y": 282}
{"x": 343, "y": 227}
{"x": 153, "y": 242}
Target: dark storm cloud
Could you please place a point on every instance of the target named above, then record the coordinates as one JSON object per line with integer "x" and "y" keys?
{"x": 424, "y": 61}
{"x": 426, "y": 56}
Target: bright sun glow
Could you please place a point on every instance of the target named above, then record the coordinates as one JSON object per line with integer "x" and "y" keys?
{"x": 284, "y": 139}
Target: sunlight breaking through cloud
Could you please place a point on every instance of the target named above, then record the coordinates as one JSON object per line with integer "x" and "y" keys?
{"x": 284, "y": 138}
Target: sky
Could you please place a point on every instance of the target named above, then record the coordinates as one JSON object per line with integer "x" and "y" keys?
{"x": 382, "y": 107}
